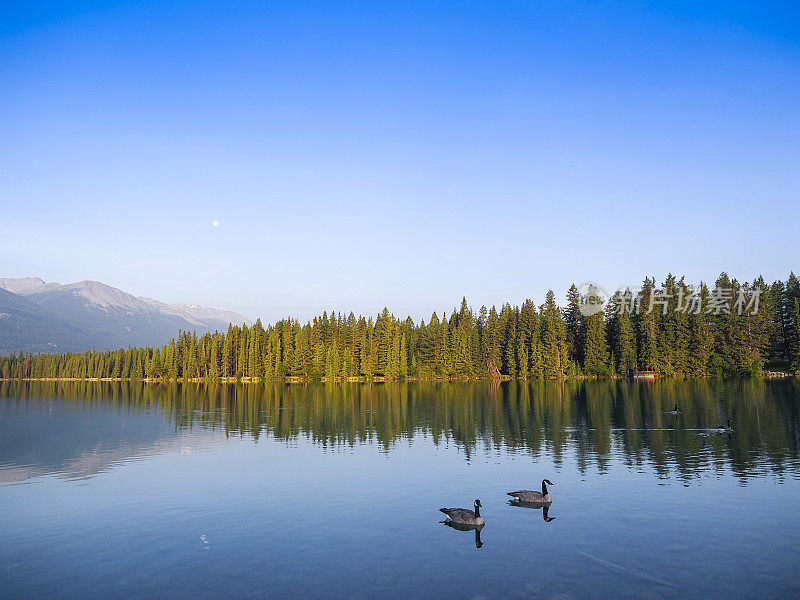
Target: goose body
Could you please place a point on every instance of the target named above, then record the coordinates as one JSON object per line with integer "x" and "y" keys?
{"x": 675, "y": 411}
{"x": 464, "y": 516}
{"x": 531, "y": 496}
{"x": 724, "y": 428}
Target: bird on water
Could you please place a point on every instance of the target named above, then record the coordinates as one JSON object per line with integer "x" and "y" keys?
{"x": 464, "y": 516}
{"x": 724, "y": 428}
{"x": 533, "y": 496}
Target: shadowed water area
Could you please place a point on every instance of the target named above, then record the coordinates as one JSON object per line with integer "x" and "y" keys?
{"x": 131, "y": 490}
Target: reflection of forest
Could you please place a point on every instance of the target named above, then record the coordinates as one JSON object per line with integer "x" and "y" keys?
{"x": 595, "y": 418}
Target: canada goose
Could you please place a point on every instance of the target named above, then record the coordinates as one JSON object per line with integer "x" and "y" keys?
{"x": 675, "y": 411}
{"x": 724, "y": 428}
{"x": 465, "y": 516}
{"x": 534, "y": 497}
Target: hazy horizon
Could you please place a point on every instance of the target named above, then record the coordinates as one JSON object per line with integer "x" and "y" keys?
{"x": 302, "y": 157}
{"x": 421, "y": 315}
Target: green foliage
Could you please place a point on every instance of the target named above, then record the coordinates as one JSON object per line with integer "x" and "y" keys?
{"x": 596, "y": 362}
{"x": 522, "y": 342}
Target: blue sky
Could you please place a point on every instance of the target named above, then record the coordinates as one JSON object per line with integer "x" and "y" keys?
{"x": 370, "y": 154}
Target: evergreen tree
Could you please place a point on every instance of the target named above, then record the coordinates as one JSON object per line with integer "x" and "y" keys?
{"x": 675, "y": 331}
{"x": 555, "y": 356}
{"x": 596, "y": 358}
{"x": 647, "y": 327}
{"x": 575, "y": 326}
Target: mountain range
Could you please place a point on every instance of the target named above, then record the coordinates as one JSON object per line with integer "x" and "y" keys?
{"x": 40, "y": 317}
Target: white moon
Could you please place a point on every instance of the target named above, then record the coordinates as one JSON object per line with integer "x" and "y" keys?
{"x": 215, "y": 223}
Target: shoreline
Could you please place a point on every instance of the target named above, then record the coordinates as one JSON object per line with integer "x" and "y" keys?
{"x": 362, "y": 379}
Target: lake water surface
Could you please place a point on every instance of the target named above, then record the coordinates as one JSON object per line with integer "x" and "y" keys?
{"x": 118, "y": 490}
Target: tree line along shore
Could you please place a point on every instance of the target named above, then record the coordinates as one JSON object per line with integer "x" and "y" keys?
{"x": 656, "y": 333}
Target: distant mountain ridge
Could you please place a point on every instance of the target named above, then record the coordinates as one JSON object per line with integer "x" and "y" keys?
{"x": 38, "y": 317}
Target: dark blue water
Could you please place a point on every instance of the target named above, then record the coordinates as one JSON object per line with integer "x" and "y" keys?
{"x": 114, "y": 490}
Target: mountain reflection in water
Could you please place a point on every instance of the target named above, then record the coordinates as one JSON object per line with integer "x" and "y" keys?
{"x": 597, "y": 420}
{"x": 203, "y": 491}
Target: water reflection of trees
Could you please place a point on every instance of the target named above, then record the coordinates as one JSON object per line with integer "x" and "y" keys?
{"x": 602, "y": 421}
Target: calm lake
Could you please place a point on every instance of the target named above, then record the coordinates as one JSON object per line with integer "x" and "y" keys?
{"x": 117, "y": 490}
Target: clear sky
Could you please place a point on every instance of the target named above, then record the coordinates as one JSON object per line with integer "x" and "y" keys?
{"x": 369, "y": 153}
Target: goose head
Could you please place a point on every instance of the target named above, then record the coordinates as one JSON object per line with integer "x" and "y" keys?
{"x": 478, "y": 510}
